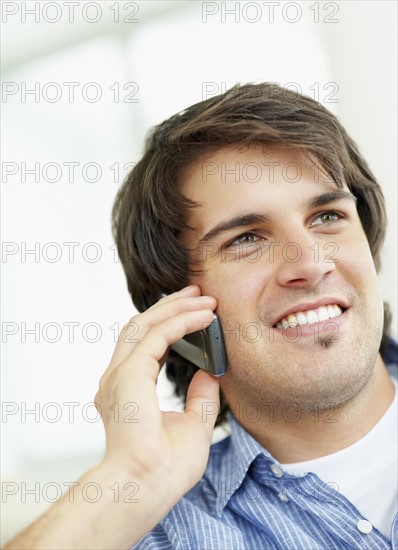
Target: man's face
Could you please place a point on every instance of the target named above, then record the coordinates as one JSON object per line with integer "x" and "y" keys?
{"x": 276, "y": 238}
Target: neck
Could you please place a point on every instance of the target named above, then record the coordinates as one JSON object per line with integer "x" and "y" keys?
{"x": 321, "y": 433}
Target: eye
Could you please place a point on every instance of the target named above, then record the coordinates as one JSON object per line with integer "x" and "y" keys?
{"x": 328, "y": 217}
{"x": 245, "y": 238}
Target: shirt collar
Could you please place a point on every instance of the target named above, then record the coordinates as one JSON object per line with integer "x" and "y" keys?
{"x": 390, "y": 352}
{"x": 235, "y": 461}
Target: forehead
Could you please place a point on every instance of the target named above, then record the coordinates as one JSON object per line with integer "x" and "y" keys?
{"x": 236, "y": 179}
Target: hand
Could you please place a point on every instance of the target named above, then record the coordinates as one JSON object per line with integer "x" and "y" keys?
{"x": 162, "y": 455}
{"x": 169, "y": 449}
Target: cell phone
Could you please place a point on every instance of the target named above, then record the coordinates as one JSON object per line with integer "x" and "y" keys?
{"x": 205, "y": 348}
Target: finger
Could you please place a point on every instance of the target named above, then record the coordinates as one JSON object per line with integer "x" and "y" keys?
{"x": 144, "y": 359}
{"x": 203, "y": 399}
{"x": 136, "y": 376}
{"x": 191, "y": 290}
{"x": 134, "y": 331}
{"x": 130, "y": 332}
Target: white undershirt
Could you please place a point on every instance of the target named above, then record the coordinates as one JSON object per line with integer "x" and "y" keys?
{"x": 365, "y": 472}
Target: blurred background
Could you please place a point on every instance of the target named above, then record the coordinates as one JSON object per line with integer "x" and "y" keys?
{"x": 82, "y": 83}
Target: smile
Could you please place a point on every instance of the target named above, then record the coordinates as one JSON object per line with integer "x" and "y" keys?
{"x": 308, "y": 317}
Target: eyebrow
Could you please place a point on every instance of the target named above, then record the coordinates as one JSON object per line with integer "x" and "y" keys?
{"x": 332, "y": 196}
{"x": 245, "y": 220}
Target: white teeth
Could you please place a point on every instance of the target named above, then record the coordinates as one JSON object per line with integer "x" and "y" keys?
{"x": 323, "y": 313}
{"x": 292, "y": 321}
{"x": 331, "y": 312}
{"x": 312, "y": 316}
{"x": 301, "y": 318}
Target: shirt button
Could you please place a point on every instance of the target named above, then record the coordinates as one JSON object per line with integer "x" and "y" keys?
{"x": 276, "y": 470}
{"x": 283, "y": 497}
{"x": 364, "y": 526}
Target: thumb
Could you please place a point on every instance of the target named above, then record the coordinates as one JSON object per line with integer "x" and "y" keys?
{"x": 203, "y": 399}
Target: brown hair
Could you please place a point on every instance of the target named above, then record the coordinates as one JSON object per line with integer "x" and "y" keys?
{"x": 150, "y": 211}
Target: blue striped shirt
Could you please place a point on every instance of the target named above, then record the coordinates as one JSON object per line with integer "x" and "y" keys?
{"x": 246, "y": 500}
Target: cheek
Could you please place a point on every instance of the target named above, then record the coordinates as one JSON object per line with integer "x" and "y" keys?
{"x": 355, "y": 258}
{"x": 235, "y": 286}
{"x": 356, "y": 268}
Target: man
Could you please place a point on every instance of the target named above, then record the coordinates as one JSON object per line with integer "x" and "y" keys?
{"x": 260, "y": 202}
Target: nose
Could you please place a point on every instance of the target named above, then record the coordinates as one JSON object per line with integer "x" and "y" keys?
{"x": 304, "y": 262}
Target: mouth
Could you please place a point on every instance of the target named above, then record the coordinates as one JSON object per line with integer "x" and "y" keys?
{"x": 307, "y": 316}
